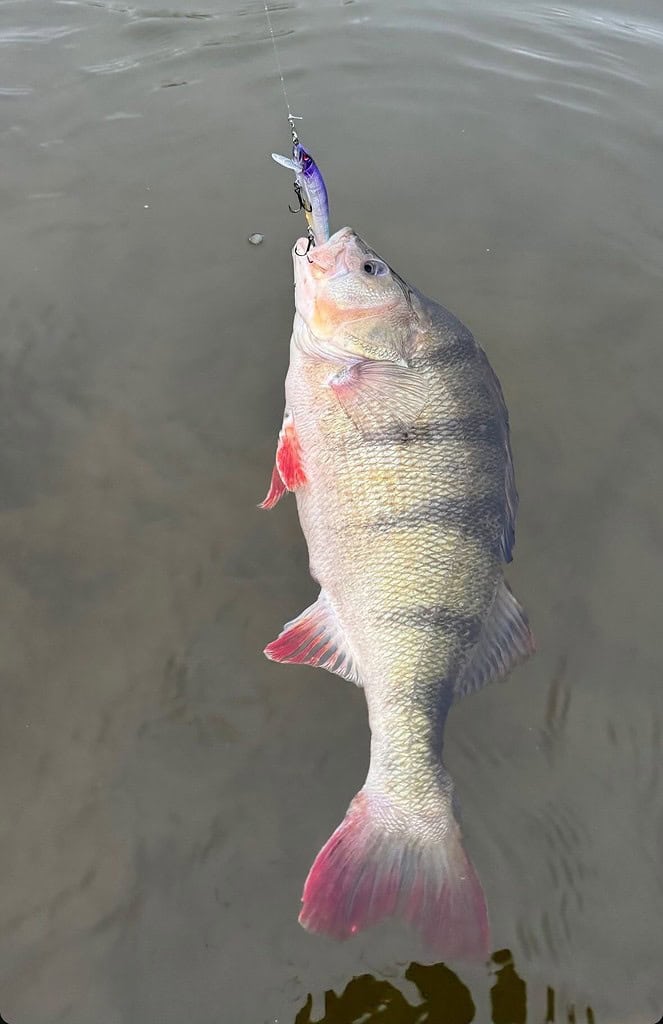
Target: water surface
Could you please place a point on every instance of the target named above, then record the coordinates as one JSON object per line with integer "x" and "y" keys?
{"x": 163, "y": 788}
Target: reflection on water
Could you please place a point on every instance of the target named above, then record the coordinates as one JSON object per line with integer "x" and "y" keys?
{"x": 444, "y": 1000}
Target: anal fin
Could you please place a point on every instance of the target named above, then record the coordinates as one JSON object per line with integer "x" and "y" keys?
{"x": 505, "y": 641}
{"x": 315, "y": 638}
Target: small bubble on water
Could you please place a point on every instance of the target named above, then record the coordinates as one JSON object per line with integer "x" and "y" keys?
{"x": 256, "y": 239}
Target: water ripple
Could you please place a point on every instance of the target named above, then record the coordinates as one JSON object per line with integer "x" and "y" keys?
{"x": 611, "y": 25}
{"x": 46, "y": 34}
{"x": 514, "y": 42}
{"x": 116, "y": 65}
{"x": 142, "y": 13}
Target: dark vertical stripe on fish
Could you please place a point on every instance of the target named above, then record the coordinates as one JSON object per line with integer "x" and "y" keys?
{"x": 452, "y": 350}
{"x": 479, "y": 517}
{"x": 434, "y": 618}
{"x": 470, "y": 429}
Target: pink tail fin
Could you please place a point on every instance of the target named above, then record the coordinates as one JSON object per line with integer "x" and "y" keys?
{"x": 365, "y": 873}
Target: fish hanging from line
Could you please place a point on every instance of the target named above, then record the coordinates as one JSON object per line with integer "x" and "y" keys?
{"x": 395, "y": 441}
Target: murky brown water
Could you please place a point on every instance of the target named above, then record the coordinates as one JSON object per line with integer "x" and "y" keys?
{"x": 163, "y": 787}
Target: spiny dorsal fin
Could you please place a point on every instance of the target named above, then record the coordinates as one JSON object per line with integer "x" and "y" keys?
{"x": 505, "y": 641}
{"x": 315, "y": 638}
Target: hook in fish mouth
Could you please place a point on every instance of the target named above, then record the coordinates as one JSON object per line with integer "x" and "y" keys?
{"x": 324, "y": 253}
{"x": 309, "y": 246}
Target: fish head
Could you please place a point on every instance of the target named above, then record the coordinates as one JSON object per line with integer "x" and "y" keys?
{"x": 350, "y": 299}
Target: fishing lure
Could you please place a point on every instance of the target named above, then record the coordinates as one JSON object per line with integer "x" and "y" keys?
{"x": 310, "y": 190}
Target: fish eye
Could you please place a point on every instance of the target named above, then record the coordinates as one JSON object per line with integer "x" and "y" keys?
{"x": 376, "y": 268}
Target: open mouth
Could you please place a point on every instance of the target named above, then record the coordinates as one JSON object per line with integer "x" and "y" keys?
{"x": 324, "y": 260}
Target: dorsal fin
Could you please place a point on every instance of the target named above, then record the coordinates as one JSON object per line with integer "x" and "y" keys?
{"x": 508, "y": 537}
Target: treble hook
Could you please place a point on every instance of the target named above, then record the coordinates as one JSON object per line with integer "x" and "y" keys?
{"x": 310, "y": 244}
{"x": 303, "y": 203}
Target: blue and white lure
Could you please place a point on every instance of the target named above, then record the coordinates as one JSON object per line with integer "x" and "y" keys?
{"x": 310, "y": 190}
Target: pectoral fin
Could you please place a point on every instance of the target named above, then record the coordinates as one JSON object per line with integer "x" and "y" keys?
{"x": 374, "y": 393}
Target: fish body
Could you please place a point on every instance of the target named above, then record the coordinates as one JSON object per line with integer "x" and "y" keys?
{"x": 310, "y": 188}
{"x": 406, "y": 496}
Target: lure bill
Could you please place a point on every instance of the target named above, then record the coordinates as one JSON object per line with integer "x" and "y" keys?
{"x": 310, "y": 190}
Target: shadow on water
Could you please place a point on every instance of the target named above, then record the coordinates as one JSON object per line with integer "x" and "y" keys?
{"x": 446, "y": 1000}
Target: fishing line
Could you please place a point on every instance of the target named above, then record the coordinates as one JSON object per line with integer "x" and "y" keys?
{"x": 291, "y": 117}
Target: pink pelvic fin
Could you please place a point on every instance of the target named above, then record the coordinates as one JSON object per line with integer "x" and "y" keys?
{"x": 365, "y": 873}
{"x": 288, "y": 473}
{"x": 315, "y": 638}
{"x": 276, "y": 491}
{"x": 289, "y": 456}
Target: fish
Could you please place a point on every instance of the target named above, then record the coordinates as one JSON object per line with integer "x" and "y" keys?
{"x": 395, "y": 442}
{"x": 310, "y": 189}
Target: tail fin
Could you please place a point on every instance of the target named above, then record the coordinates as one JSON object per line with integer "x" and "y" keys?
{"x": 367, "y": 871}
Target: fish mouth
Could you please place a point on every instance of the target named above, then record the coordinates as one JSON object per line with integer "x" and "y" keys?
{"x": 313, "y": 266}
{"x": 325, "y": 258}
